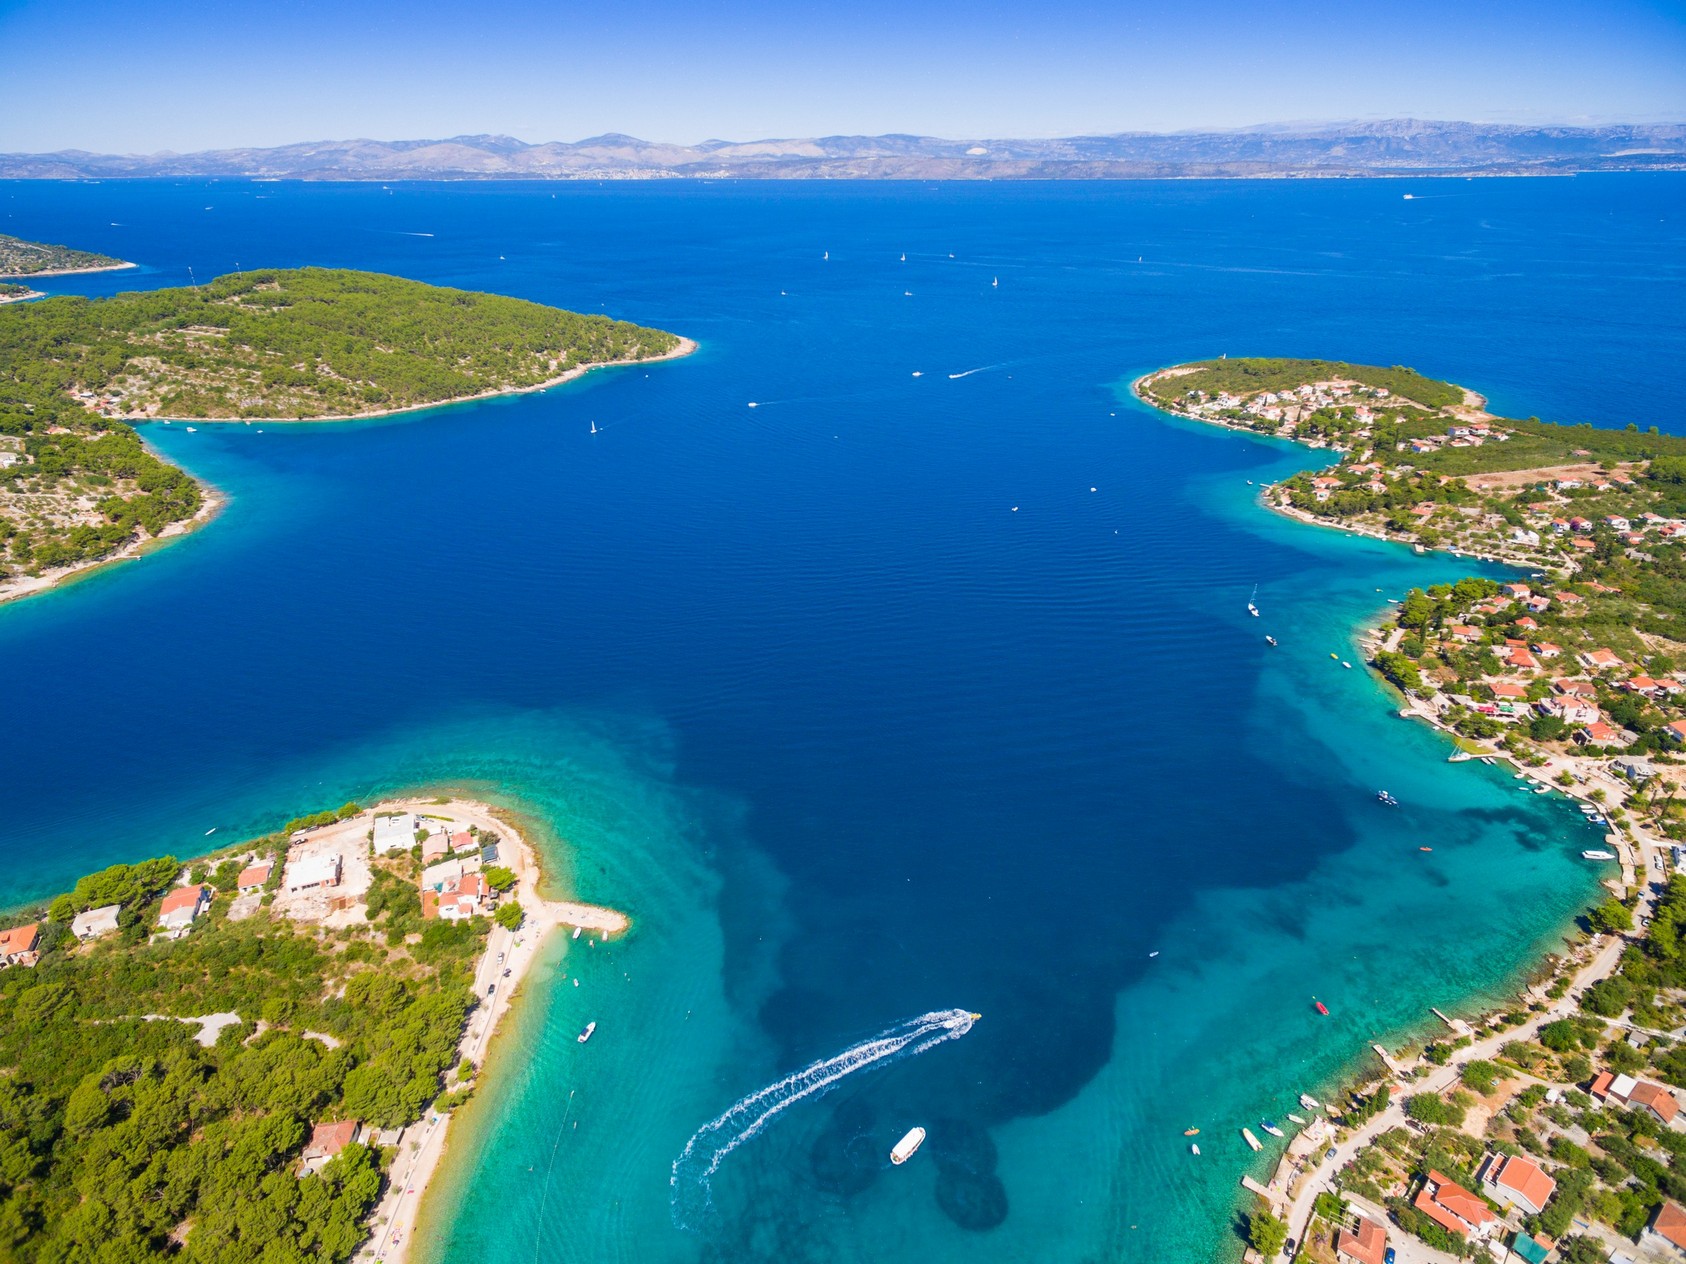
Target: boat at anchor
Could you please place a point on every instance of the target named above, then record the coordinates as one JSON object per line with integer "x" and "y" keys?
{"x": 904, "y": 1149}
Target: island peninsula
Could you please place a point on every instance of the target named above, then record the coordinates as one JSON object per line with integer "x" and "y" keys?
{"x": 256, "y": 1055}
{"x": 1534, "y": 1124}
{"x": 77, "y": 485}
{"x": 20, "y": 258}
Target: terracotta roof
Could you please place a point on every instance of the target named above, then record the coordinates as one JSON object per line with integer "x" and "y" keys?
{"x": 1601, "y": 1083}
{"x": 1656, "y": 1097}
{"x": 1451, "y": 1206}
{"x": 20, "y": 939}
{"x": 1519, "y": 1175}
{"x": 181, "y": 898}
{"x": 1368, "y": 1245}
{"x": 255, "y": 875}
{"x": 329, "y": 1139}
{"x": 1671, "y": 1223}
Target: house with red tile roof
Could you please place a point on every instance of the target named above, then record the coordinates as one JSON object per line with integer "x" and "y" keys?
{"x": 1570, "y": 709}
{"x": 1505, "y": 689}
{"x": 1599, "y": 734}
{"x": 1575, "y": 688}
{"x": 1463, "y": 632}
{"x": 1514, "y": 1181}
{"x": 1624, "y": 1090}
{"x": 1453, "y": 1207}
{"x": 1676, "y": 729}
{"x": 253, "y": 877}
{"x": 1545, "y": 649}
{"x": 1667, "y": 1230}
{"x": 327, "y": 1140}
{"x": 457, "y": 899}
{"x": 1519, "y": 657}
{"x": 1528, "y": 623}
{"x": 18, "y": 945}
{"x": 183, "y": 906}
{"x": 1365, "y": 1242}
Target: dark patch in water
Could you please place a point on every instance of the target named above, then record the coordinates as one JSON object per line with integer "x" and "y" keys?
{"x": 972, "y": 1201}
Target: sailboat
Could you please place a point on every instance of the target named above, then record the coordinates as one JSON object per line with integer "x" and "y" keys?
{"x": 826, "y": 255}
{"x": 995, "y": 284}
{"x": 904, "y": 256}
{"x": 593, "y": 427}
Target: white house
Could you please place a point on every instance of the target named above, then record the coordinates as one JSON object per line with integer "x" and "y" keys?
{"x": 95, "y": 922}
{"x": 395, "y": 833}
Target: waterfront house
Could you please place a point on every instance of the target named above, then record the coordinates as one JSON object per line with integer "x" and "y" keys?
{"x": 95, "y": 922}
{"x": 1513, "y": 1181}
{"x": 458, "y": 899}
{"x": 18, "y": 946}
{"x": 1624, "y": 1090}
{"x": 182, "y": 907}
{"x": 253, "y": 877}
{"x": 1453, "y": 1207}
{"x": 1666, "y": 1234}
{"x": 394, "y": 833}
{"x": 1571, "y": 710}
{"x": 310, "y": 872}
{"x": 1365, "y": 1242}
{"x": 1635, "y": 768}
{"x": 436, "y": 876}
{"x": 327, "y": 1140}
{"x": 1599, "y": 733}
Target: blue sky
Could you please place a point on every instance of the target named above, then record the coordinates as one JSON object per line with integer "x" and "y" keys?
{"x": 147, "y": 75}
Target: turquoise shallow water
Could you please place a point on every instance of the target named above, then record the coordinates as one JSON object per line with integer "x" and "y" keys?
{"x": 849, "y": 737}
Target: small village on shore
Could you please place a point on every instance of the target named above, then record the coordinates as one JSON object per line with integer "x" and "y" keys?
{"x": 1546, "y": 1130}
{"x": 367, "y": 954}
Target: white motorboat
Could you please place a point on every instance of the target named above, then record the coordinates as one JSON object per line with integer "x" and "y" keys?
{"x": 904, "y": 1149}
{"x": 1250, "y": 1139}
{"x": 586, "y": 1034}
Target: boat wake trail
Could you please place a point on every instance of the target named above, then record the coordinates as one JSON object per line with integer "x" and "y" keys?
{"x": 955, "y": 377}
{"x": 708, "y": 1148}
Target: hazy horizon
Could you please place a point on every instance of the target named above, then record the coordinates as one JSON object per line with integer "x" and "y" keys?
{"x": 146, "y": 77}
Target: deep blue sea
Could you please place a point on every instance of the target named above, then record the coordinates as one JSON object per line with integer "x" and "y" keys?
{"x": 927, "y": 683}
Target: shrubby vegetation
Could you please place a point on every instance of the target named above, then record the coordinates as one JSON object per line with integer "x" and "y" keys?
{"x": 121, "y": 1137}
{"x": 1247, "y": 374}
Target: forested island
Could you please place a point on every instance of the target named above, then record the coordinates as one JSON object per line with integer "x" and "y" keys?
{"x": 76, "y": 483}
{"x": 35, "y": 258}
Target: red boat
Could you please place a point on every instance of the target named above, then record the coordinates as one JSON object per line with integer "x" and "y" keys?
{"x": 1321, "y": 1007}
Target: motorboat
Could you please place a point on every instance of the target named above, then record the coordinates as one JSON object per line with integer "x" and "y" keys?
{"x": 904, "y": 1149}
{"x": 1271, "y": 1128}
{"x": 1321, "y": 1007}
{"x": 586, "y": 1034}
{"x": 1309, "y": 1102}
{"x": 1250, "y": 1139}
{"x": 1597, "y": 853}
{"x": 1382, "y": 796}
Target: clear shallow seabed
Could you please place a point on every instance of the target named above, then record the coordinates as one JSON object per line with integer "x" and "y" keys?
{"x": 850, "y": 738}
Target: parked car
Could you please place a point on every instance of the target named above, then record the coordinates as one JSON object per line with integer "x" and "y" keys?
{"x": 1388, "y": 1257}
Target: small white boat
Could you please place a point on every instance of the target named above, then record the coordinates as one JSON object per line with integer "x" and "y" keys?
{"x": 826, "y": 255}
{"x": 210, "y": 831}
{"x": 1194, "y": 1149}
{"x": 1252, "y": 610}
{"x": 1250, "y": 1139}
{"x": 1597, "y": 853}
{"x": 918, "y": 373}
{"x": 577, "y": 932}
{"x": 1309, "y": 1102}
{"x": 1346, "y": 664}
{"x": 594, "y": 427}
{"x": 1271, "y": 1128}
{"x": 1270, "y": 640}
{"x": 904, "y": 256}
{"x": 995, "y": 283}
{"x": 586, "y": 1034}
{"x": 1296, "y": 1119}
{"x": 192, "y": 430}
{"x": 904, "y": 1149}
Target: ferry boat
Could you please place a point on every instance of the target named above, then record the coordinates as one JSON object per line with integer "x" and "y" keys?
{"x": 1309, "y": 1102}
{"x": 905, "y": 1148}
{"x": 1270, "y": 1127}
{"x": 1597, "y": 853}
{"x": 1250, "y": 1139}
{"x": 586, "y": 1034}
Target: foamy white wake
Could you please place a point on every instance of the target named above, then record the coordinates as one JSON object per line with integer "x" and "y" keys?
{"x": 706, "y": 1150}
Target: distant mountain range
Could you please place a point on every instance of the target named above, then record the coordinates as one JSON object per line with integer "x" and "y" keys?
{"x": 1394, "y": 147}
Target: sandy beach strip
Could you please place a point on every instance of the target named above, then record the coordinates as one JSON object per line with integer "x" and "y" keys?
{"x": 21, "y": 298}
{"x": 423, "y": 1144}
